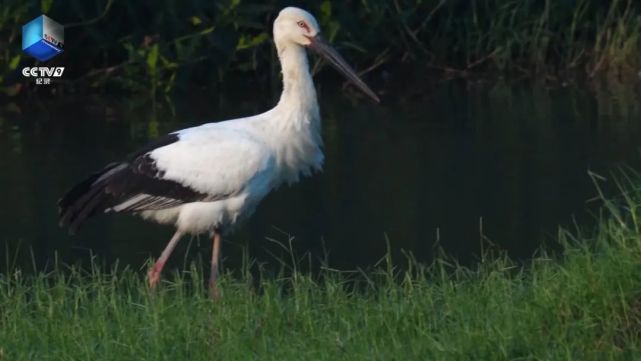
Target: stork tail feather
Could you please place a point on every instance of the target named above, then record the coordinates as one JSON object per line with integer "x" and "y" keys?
{"x": 86, "y": 199}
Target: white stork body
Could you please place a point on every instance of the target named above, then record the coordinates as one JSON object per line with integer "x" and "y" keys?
{"x": 243, "y": 158}
{"x": 207, "y": 178}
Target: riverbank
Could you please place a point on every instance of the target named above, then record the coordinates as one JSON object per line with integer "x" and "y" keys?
{"x": 580, "y": 304}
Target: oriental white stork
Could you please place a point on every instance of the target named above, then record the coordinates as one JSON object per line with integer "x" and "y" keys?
{"x": 207, "y": 178}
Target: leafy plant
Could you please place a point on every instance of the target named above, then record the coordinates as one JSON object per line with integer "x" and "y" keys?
{"x": 166, "y": 46}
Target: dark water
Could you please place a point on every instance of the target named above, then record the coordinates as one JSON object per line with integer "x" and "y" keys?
{"x": 425, "y": 166}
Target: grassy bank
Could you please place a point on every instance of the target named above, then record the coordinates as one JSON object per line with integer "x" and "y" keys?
{"x": 166, "y": 45}
{"x": 582, "y": 304}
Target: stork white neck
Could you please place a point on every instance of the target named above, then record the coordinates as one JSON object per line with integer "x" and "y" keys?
{"x": 296, "y": 117}
{"x": 298, "y": 102}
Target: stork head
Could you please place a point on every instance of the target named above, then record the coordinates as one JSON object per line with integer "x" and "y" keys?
{"x": 297, "y": 27}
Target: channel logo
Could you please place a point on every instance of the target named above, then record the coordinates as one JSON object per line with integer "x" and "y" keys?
{"x": 42, "y": 38}
{"x": 43, "y": 71}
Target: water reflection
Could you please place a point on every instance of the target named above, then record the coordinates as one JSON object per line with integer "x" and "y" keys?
{"x": 419, "y": 169}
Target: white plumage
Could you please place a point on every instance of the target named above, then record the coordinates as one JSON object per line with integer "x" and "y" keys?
{"x": 207, "y": 178}
{"x": 242, "y": 160}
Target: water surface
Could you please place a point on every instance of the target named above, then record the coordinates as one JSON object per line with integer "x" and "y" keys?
{"x": 426, "y": 167}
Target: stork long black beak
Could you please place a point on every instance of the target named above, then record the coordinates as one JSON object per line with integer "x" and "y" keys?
{"x": 324, "y": 49}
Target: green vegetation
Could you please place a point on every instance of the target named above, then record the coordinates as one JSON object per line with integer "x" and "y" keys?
{"x": 581, "y": 305}
{"x": 168, "y": 45}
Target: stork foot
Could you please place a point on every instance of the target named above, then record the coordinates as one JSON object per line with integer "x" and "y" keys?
{"x": 153, "y": 276}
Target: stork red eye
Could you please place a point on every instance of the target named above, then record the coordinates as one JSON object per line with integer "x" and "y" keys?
{"x": 302, "y": 24}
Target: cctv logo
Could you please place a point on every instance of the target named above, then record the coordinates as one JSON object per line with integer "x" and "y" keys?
{"x": 55, "y": 72}
{"x": 43, "y": 39}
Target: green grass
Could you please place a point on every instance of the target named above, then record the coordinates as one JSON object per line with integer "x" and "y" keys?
{"x": 581, "y": 304}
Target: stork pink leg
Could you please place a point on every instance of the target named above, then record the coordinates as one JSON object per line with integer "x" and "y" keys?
{"x": 154, "y": 272}
{"x": 215, "y": 257}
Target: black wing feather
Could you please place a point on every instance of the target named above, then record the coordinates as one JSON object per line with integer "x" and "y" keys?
{"x": 118, "y": 183}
